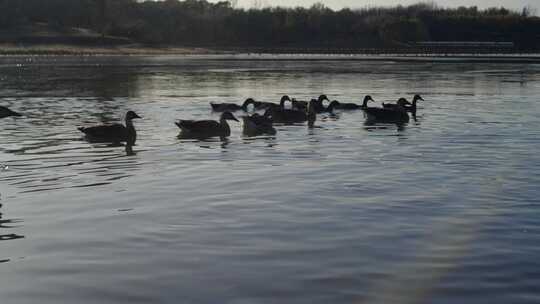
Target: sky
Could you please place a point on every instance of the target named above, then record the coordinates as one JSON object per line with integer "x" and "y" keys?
{"x": 338, "y": 4}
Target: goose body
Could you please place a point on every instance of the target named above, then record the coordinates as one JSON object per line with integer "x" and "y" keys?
{"x": 396, "y": 114}
{"x": 299, "y": 105}
{"x": 286, "y": 115}
{"x": 282, "y": 115}
{"x": 263, "y": 105}
{"x": 206, "y": 128}
{"x": 409, "y": 107}
{"x": 316, "y": 104}
{"x": 257, "y": 124}
{"x": 349, "y": 106}
{"x": 5, "y": 112}
{"x": 115, "y": 133}
{"x": 222, "y": 107}
{"x": 343, "y": 106}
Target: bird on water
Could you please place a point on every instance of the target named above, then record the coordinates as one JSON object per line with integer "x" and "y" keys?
{"x": 206, "y": 128}
{"x": 115, "y": 133}
{"x": 286, "y": 116}
{"x": 396, "y": 114}
{"x": 5, "y": 112}
{"x": 256, "y": 124}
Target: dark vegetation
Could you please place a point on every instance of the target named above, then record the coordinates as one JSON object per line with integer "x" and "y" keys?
{"x": 203, "y": 24}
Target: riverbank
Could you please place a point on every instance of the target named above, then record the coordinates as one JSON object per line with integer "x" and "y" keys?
{"x": 12, "y": 50}
{"x": 81, "y": 50}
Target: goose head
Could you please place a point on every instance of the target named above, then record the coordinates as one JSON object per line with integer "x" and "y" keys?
{"x": 228, "y": 116}
{"x": 248, "y": 102}
{"x": 284, "y": 98}
{"x": 417, "y": 98}
{"x": 131, "y": 115}
{"x": 367, "y": 99}
{"x": 322, "y": 98}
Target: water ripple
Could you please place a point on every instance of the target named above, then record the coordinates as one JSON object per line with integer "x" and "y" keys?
{"x": 441, "y": 210}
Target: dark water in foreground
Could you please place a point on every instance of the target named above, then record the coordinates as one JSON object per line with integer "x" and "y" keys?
{"x": 444, "y": 211}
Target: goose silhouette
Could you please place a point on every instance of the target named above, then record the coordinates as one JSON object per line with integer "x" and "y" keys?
{"x": 115, "y": 133}
{"x": 5, "y": 112}
{"x": 206, "y": 128}
{"x": 397, "y": 114}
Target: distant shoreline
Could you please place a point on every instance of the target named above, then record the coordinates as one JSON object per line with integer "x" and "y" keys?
{"x": 78, "y": 50}
{"x": 10, "y": 50}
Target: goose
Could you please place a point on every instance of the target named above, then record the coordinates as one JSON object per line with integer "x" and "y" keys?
{"x": 5, "y": 112}
{"x": 286, "y": 116}
{"x": 115, "y": 133}
{"x": 396, "y": 114}
{"x": 262, "y": 105}
{"x": 411, "y": 108}
{"x": 257, "y": 124}
{"x": 317, "y": 106}
{"x": 349, "y": 106}
{"x": 222, "y": 107}
{"x": 206, "y": 128}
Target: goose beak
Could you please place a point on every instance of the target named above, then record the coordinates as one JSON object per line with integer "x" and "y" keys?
{"x": 137, "y": 116}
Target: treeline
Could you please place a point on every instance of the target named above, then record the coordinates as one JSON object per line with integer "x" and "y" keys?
{"x": 201, "y": 23}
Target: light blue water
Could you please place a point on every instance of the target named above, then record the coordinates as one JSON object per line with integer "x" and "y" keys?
{"x": 444, "y": 211}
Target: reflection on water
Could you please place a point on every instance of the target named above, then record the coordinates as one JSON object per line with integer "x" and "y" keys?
{"x": 439, "y": 210}
{"x": 6, "y": 231}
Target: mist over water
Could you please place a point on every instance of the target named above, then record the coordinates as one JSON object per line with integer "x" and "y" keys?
{"x": 441, "y": 211}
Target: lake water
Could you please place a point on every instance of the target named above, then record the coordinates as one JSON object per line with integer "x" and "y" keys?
{"x": 445, "y": 210}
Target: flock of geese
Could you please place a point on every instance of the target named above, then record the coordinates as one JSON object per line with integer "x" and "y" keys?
{"x": 254, "y": 124}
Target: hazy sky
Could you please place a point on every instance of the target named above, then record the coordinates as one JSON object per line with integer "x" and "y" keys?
{"x": 337, "y": 4}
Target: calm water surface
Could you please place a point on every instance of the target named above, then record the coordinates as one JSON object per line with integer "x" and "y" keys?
{"x": 444, "y": 211}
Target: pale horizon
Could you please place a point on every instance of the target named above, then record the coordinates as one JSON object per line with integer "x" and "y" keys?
{"x": 339, "y": 4}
